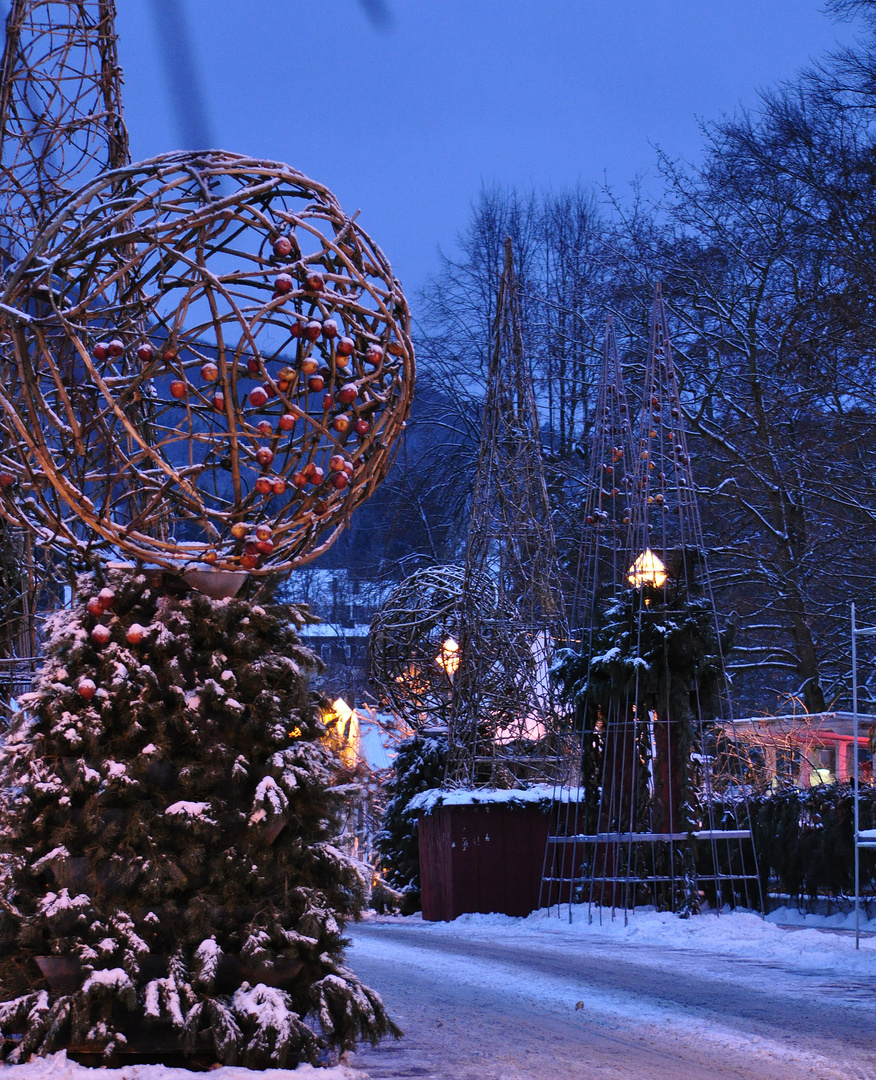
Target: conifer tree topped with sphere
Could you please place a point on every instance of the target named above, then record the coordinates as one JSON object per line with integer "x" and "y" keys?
{"x": 171, "y": 887}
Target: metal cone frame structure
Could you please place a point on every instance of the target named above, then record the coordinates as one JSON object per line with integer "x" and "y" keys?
{"x": 505, "y": 720}
{"x": 664, "y": 819}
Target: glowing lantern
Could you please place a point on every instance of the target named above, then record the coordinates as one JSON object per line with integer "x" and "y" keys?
{"x": 343, "y": 731}
{"x": 647, "y": 570}
{"x": 448, "y": 658}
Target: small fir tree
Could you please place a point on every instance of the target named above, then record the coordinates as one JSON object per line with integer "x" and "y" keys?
{"x": 173, "y": 888}
{"x": 419, "y": 766}
{"x": 658, "y": 654}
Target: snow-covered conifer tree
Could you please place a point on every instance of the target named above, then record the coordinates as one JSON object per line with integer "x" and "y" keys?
{"x": 172, "y": 888}
{"x": 419, "y": 766}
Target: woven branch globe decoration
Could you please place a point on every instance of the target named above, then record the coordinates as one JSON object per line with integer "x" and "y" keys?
{"x": 206, "y": 361}
{"x": 414, "y": 643}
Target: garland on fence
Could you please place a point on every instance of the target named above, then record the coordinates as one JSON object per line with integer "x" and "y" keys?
{"x": 804, "y": 838}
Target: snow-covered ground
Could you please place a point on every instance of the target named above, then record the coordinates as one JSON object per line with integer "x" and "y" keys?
{"x": 57, "y": 1067}
{"x": 799, "y": 941}
{"x": 654, "y": 997}
{"x": 488, "y": 997}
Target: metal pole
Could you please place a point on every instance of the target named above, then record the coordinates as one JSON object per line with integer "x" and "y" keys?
{"x": 856, "y": 793}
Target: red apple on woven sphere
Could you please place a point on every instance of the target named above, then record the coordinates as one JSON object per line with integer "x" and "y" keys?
{"x": 263, "y": 532}
{"x": 145, "y": 352}
{"x": 95, "y": 607}
{"x": 100, "y": 635}
{"x": 211, "y": 557}
{"x": 252, "y": 366}
{"x": 314, "y": 281}
{"x": 286, "y": 422}
{"x": 340, "y": 480}
{"x": 283, "y": 284}
{"x": 106, "y": 597}
{"x": 300, "y": 480}
{"x": 361, "y": 427}
{"x": 337, "y": 462}
{"x": 348, "y": 394}
{"x": 116, "y": 347}
{"x": 219, "y": 402}
{"x": 309, "y": 365}
{"x": 283, "y": 247}
{"x": 278, "y": 487}
{"x": 374, "y": 354}
{"x": 264, "y": 456}
{"x": 341, "y": 424}
{"x": 136, "y": 632}
{"x": 263, "y": 427}
{"x": 263, "y": 485}
{"x": 330, "y": 329}
{"x": 87, "y": 689}
{"x": 316, "y": 474}
{"x": 315, "y": 383}
{"x": 178, "y": 389}
{"x": 258, "y": 397}
{"x": 249, "y": 562}
{"x": 100, "y": 352}
{"x": 327, "y": 402}
{"x": 345, "y": 347}
{"x": 209, "y": 372}
{"x": 7, "y": 480}
{"x": 269, "y": 389}
{"x": 239, "y": 530}
{"x": 312, "y": 330}
{"x": 265, "y": 547}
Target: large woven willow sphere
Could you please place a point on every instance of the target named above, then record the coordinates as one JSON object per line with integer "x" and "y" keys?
{"x": 414, "y": 644}
{"x": 206, "y": 361}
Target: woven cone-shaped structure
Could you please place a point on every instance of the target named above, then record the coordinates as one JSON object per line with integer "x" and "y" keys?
{"x": 505, "y": 724}
{"x": 60, "y": 110}
{"x": 656, "y": 755}
{"x": 60, "y": 125}
{"x": 602, "y": 552}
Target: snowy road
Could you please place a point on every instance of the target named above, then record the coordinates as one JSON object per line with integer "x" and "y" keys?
{"x": 499, "y": 1003}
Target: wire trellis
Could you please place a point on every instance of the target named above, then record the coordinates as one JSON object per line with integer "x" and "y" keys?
{"x": 506, "y": 726}
{"x": 657, "y": 758}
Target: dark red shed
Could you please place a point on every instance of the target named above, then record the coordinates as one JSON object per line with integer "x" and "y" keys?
{"x": 482, "y": 856}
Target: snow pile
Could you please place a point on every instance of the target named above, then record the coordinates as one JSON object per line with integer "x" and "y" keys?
{"x": 426, "y": 801}
{"x": 57, "y": 1067}
{"x": 811, "y": 944}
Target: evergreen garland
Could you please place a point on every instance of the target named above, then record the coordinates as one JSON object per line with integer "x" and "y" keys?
{"x": 804, "y": 838}
{"x": 169, "y": 842}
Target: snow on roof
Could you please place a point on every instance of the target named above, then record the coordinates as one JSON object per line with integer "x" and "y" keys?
{"x": 332, "y": 630}
{"x": 426, "y": 801}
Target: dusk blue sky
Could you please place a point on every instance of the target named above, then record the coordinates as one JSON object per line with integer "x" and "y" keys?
{"x": 408, "y": 122}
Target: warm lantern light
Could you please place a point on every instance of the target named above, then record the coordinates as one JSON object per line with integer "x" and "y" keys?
{"x": 647, "y": 570}
{"x": 448, "y": 658}
{"x": 342, "y": 723}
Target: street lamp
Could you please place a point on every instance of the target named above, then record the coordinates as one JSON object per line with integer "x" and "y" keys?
{"x": 647, "y": 570}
